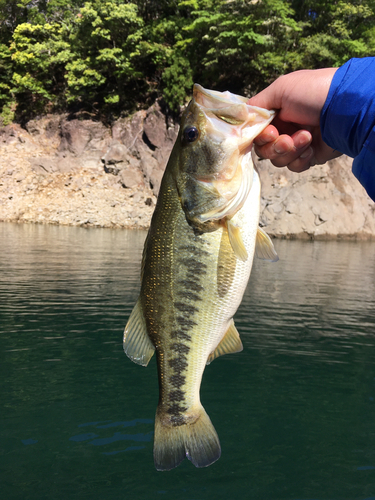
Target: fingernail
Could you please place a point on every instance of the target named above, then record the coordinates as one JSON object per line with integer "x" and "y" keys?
{"x": 302, "y": 140}
{"x": 281, "y": 148}
{"x": 306, "y": 153}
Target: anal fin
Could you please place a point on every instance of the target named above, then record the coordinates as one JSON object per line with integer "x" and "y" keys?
{"x": 229, "y": 344}
{"x": 137, "y": 344}
{"x": 264, "y": 248}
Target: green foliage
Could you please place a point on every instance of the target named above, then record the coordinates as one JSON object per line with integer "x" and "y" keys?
{"x": 5, "y": 73}
{"x": 8, "y": 113}
{"x": 106, "y": 43}
{"x": 39, "y": 53}
{"x": 178, "y": 82}
{"x": 335, "y": 32}
{"x": 112, "y": 56}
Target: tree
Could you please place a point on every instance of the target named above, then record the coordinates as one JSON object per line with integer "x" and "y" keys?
{"x": 112, "y": 56}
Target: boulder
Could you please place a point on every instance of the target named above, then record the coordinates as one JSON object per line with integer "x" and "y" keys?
{"x": 118, "y": 160}
{"x": 154, "y": 127}
{"x": 128, "y": 131}
{"x": 14, "y": 134}
{"x": 131, "y": 178}
{"x": 147, "y": 139}
{"x": 117, "y": 153}
{"x": 78, "y": 172}
{"x": 83, "y": 136}
{"x": 46, "y": 130}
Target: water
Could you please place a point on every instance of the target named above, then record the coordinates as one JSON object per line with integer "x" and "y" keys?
{"x": 295, "y": 411}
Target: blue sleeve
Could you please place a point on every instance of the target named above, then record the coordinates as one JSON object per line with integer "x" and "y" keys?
{"x": 347, "y": 120}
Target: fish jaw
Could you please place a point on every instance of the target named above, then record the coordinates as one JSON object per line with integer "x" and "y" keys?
{"x": 215, "y": 172}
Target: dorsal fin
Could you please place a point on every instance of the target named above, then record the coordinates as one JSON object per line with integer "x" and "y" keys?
{"x": 264, "y": 248}
{"x": 137, "y": 344}
{"x": 236, "y": 241}
{"x": 229, "y": 344}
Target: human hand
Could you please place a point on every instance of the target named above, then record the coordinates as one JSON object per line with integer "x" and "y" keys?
{"x": 294, "y": 138}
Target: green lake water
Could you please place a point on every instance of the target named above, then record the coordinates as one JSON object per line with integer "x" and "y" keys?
{"x": 295, "y": 411}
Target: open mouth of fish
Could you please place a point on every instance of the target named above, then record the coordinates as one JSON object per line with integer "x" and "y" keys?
{"x": 233, "y": 125}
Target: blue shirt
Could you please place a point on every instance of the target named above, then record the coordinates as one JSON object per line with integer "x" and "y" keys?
{"x": 347, "y": 120}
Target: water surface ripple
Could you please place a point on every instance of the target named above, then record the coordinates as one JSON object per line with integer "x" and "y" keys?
{"x": 295, "y": 411}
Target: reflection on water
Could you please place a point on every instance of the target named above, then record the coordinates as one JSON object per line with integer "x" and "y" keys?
{"x": 96, "y": 440}
{"x": 294, "y": 411}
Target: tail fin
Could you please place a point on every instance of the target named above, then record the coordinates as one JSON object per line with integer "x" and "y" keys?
{"x": 197, "y": 441}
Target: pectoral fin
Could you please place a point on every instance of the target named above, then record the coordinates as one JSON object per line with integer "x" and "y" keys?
{"x": 137, "y": 344}
{"x": 236, "y": 241}
{"x": 230, "y": 343}
{"x": 264, "y": 248}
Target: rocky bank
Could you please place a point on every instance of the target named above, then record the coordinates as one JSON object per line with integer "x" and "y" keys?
{"x": 71, "y": 171}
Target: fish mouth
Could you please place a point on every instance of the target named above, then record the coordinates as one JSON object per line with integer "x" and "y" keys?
{"x": 231, "y": 110}
{"x": 232, "y": 124}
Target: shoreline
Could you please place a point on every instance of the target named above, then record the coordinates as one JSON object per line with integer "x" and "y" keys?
{"x": 291, "y": 237}
{"x": 72, "y": 172}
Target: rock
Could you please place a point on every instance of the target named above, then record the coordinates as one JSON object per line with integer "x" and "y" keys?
{"x": 154, "y": 127}
{"x": 46, "y": 129}
{"x": 53, "y": 165}
{"x": 118, "y": 160}
{"x": 155, "y": 180}
{"x": 79, "y": 136}
{"x": 131, "y": 177}
{"x": 149, "y": 138}
{"x": 117, "y": 153}
{"x": 324, "y": 202}
{"x": 14, "y": 134}
{"x": 61, "y": 171}
{"x": 9, "y": 134}
{"x": 111, "y": 169}
{"x": 129, "y": 130}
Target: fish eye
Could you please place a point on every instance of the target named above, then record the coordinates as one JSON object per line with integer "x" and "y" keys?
{"x": 191, "y": 134}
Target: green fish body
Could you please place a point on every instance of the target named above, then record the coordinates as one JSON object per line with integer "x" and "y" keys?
{"x": 196, "y": 264}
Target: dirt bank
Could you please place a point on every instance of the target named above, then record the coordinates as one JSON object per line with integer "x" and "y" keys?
{"x": 60, "y": 170}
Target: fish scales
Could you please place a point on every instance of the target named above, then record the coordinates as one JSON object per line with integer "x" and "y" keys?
{"x": 194, "y": 273}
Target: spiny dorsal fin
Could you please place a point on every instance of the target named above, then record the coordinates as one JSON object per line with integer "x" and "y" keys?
{"x": 264, "y": 248}
{"x": 229, "y": 344}
{"x": 137, "y": 344}
{"x": 236, "y": 241}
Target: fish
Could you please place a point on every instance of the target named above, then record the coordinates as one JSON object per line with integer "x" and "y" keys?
{"x": 196, "y": 264}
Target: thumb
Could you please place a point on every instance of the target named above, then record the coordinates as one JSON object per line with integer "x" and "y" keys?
{"x": 268, "y": 98}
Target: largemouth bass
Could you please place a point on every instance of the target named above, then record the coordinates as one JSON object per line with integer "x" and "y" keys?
{"x": 196, "y": 264}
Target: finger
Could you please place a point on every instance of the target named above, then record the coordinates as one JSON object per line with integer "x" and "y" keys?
{"x": 301, "y": 139}
{"x": 277, "y": 128}
{"x": 303, "y": 162}
{"x": 269, "y": 98}
{"x": 287, "y": 149}
{"x": 283, "y": 127}
{"x": 277, "y": 149}
{"x": 269, "y": 134}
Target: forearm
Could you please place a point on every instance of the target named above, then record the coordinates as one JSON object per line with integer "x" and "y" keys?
{"x": 348, "y": 117}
